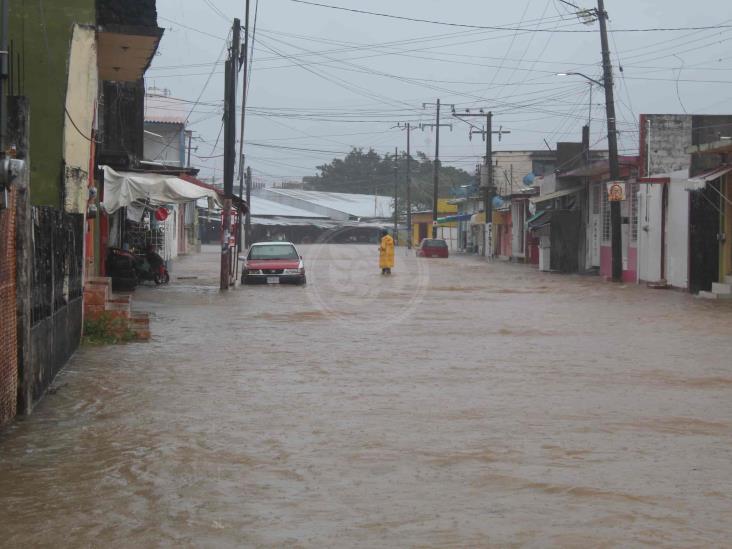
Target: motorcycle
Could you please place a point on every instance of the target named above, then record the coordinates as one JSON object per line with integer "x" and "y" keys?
{"x": 150, "y": 266}
{"x": 127, "y": 270}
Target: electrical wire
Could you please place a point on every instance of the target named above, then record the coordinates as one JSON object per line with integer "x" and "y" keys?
{"x": 464, "y": 25}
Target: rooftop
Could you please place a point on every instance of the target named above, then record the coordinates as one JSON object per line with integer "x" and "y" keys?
{"x": 164, "y": 109}
{"x": 355, "y": 205}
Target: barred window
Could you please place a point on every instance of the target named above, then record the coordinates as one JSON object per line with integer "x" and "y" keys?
{"x": 596, "y": 199}
{"x": 633, "y": 191}
{"x": 606, "y": 233}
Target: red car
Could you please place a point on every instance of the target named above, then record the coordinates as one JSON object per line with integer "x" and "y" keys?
{"x": 433, "y": 247}
{"x": 273, "y": 263}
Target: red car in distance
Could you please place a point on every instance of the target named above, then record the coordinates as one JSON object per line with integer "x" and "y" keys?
{"x": 433, "y": 247}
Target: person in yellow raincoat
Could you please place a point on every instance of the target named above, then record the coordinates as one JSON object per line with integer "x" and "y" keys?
{"x": 386, "y": 253}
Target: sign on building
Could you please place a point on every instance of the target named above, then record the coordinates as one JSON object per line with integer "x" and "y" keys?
{"x": 616, "y": 191}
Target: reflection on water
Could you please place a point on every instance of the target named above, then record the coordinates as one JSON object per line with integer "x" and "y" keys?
{"x": 505, "y": 407}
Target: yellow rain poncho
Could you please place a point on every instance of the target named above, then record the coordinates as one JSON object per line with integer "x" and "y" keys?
{"x": 386, "y": 253}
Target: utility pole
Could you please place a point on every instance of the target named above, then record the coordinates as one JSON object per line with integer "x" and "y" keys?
{"x": 248, "y": 221}
{"x": 436, "y": 163}
{"x": 244, "y": 62}
{"x": 486, "y": 183}
{"x": 408, "y": 127}
{"x": 612, "y": 142}
{"x": 229, "y": 151}
{"x": 189, "y": 133}
{"x": 396, "y": 196}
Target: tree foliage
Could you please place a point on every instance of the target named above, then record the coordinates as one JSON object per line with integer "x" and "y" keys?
{"x": 368, "y": 172}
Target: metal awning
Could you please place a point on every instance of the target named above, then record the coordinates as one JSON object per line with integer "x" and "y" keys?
{"x": 723, "y": 146}
{"x": 453, "y": 218}
{"x": 711, "y": 175}
{"x": 557, "y": 194}
{"x": 541, "y": 219}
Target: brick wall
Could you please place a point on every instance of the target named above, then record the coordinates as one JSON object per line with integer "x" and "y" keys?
{"x": 8, "y": 326}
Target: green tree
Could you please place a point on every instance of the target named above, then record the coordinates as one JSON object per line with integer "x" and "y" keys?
{"x": 368, "y": 172}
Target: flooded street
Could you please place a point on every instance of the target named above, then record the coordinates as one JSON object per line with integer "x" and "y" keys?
{"x": 454, "y": 404}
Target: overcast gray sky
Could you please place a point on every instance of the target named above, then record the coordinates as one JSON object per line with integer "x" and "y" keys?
{"x": 327, "y": 80}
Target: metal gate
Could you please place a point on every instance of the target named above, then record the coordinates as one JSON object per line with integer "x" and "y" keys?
{"x": 56, "y": 293}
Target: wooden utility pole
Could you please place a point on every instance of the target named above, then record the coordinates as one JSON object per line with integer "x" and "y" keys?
{"x": 230, "y": 75}
{"x": 408, "y": 127}
{"x": 248, "y": 222}
{"x": 396, "y": 195}
{"x": 244, "y": 61}
{"x": 189, "y": 134}
{"x": 612, "y": 143}
{"x": 487, "y": 182}
{"x": 436, "y": 163}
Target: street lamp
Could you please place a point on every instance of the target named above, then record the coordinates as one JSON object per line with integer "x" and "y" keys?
{"x": 590, "y": 81}
{"x": 598, "y": 82}
{"x": 612, "y": 141}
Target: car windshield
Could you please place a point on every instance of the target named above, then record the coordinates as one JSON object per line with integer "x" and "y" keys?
{"x": 431, "y": 243}
{"x": 273, "y": 251}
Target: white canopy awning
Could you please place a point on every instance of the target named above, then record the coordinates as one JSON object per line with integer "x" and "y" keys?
{"x": 124, "y": 188}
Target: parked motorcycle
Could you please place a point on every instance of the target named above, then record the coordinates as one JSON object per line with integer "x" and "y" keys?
{"x": 127, "y": 270}
{"x": 150, "y": 266}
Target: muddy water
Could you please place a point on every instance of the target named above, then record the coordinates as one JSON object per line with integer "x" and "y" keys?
{"x": 455, "y": 404}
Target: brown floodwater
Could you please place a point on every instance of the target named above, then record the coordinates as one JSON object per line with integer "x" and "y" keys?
{"x": 453, "y": 404}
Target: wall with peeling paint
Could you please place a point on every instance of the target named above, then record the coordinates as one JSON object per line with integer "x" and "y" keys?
{"x": 81, "y": 98}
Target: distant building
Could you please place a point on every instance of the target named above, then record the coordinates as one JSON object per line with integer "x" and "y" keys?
{"x": 446, "y": 228}
{"x": 336, "y": 206}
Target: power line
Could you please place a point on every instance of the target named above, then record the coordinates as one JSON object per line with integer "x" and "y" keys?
{"x": 465, "y": 25}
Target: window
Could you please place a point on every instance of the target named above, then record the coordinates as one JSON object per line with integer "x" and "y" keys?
{"x": 632, "y": 190}
{"x": 542, "y": 167}
{"x": 273, "y": 251}
{"x": 606, "y": 233}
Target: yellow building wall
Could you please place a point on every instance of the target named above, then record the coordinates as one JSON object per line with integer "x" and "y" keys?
{"x": 725, "y": 263}
{"x": 444, "y": 208}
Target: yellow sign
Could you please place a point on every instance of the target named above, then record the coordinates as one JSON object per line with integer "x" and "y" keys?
{"x": 616, "y": 191}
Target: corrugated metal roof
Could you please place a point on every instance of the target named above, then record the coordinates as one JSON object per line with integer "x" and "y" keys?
{"x": 261, "y": 207}
{"x": 269, "y": 208}
{"x": 711, "y": 175}
{"x": 355, "y": 205}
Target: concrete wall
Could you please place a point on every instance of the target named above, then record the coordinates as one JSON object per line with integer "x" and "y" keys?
{"x": 83, "y": 88}
{"x": 44, "y": 83}
{"x": 677, "y": 235}
{"x": 666, "y": 137}
{"x": 664, "y": 140}
{"x": 518, "y": 232}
